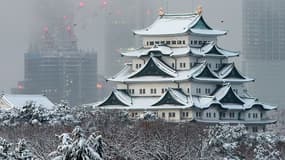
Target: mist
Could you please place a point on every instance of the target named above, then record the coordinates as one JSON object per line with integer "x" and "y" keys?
{"x": 22, "y": 24}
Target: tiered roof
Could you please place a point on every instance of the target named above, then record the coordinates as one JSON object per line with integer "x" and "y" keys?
{"x": 155, "y": 70}
{"x": 212, "y": 50}
{"x": 227, "y": 73}
{"x": 162, "y": 50}
{"x": 224, "y": 97}
{"x": 178, "y": 24}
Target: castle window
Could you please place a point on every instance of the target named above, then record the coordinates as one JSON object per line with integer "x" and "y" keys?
{"x": 208, "y": 114}
{"x": 187, "y": 114}
{"x": 248, "y": 115}
{"x": 222, "y": 114}
{"x": 173, "y": 42}
{"x": 207, "y": 90}
{"x": 142, "y": 91}
{"x": 183, "y": 41}
{"x": 184, "y": 65}
{"x": 198, "y": 90}
{"x": 261, "y": 115}
{"x": 191, "y": 42}
{"x": 147, "y": 43}
{"x": 232, "y": 114}
{"x": 188, "y": 90}
{"x": 151, "y": 43}
{"x": 173, "y": 65}
{"x": 179, "y": 42}
{"x": 217, "y": 65}
{"x": 200, "y": 42}
{"x": 254, "y": 129}
{"x": 156, "y": 42}
{"x": 162, "y": 42}
{"x": 163, "y": 114}
{"x": 214, "y": 114}
{"x": 168, "y": 42}
{"x": 195, "y": 42}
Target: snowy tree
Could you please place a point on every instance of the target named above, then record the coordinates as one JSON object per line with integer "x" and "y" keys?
{"x": 76, "y": 146}
{"x": 234, "y": 142}
{"x": 19, "y": 151}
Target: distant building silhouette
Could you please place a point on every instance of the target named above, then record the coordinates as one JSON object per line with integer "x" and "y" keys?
{"x": 264, "y": 46}
{"x": 56, "y": 68}
{"x": 264, "y": 29}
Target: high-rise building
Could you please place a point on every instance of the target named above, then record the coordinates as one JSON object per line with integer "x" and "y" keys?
{"x": 181, "y": 74}
{"x": 56, "y": 68}
{"x": 264, "y": 29}
{"x": 264, "y": 46}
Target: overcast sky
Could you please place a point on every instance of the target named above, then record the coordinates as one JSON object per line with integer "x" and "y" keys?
{"x": 19, "y": 22}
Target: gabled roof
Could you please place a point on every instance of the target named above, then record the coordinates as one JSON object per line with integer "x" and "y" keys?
{"x": 179, "y": 76}
{"x": 154, "y": 67}
{"x": 226, "y": 95}
{"x": 229, "y": 71}
{"x": 173, "y": 24}
{"x": 20, "y": 100}
{"x": 206, "y": 73}
{"x": 212, "y": 50}
{"x": 117, "y": 97}
{"x": 202, "y": 28}
{"x": 174, "y": 97}
{"x": 157, "y": 50}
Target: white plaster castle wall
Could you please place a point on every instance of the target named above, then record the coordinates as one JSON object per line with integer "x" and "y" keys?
{"x": 177, "y": 117}
{"x": 203, "y": 87}
{"x": 200, "y": 38}
{"x": 184, "y": 86}
{"x": 148, "y": 86}
{"x": 251, "y": 112}
{"x": 213, "y": 111}
{"x": 165, "y": 38}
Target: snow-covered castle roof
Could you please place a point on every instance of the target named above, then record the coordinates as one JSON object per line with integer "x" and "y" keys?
{"x": 175, "y": 24}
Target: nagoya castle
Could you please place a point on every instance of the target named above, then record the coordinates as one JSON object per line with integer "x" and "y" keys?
{"x": 181, "y": 74}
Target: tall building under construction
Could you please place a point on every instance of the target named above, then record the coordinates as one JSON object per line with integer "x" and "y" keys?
{"x": 55, "y": 67}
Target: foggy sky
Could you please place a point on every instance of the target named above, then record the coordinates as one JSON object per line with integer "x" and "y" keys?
{"x": 20, "y": 21}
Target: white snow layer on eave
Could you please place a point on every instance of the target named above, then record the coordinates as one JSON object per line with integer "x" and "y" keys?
{"x": 208, "y": 32}
{"x": 167, "y": 51}
{"x": 123, "y": 73}
{"x": 237, "y": 121}
{"x": 227, "y": 52}
{"x": 181, "y": 75}
{"x": 226, "y": 70}
{"x": 202, "y": 101}
{"x": 18, "y": 101}
{"x": 222, "y": 92}
{"x": 180, "y": 97}
{"x": 204, "y": 66}
{"x": 168, "y": 26}
{"x": 123, "y": 97}
{"x": 164, "y": 67}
